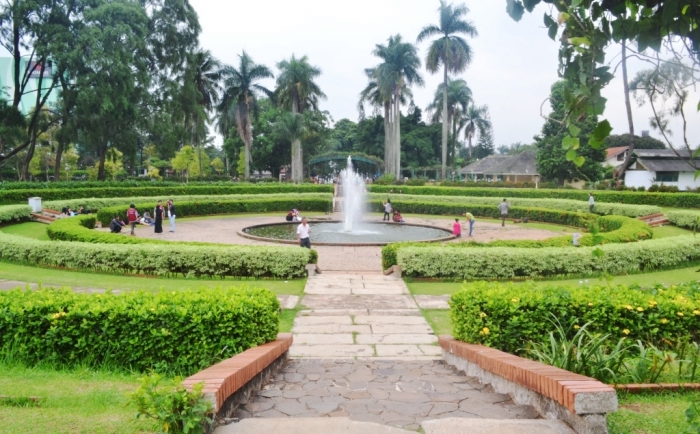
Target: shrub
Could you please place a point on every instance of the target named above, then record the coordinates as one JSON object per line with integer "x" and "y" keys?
{"x": 615, "y": 229}
{"x": 125, "y": 190}
{"x": 14, "y": 214}
{"x": 150, "y": 258}
{"x": 173, "y": 332}
{"x": 684, "y": 219}
{"x": 508, "y": 318}
{"x": 676, "y": 200}
{"x": 556, "y": 204}
{"x": 509, "y": 262}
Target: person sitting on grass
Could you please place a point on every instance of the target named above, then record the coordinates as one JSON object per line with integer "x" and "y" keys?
{"x": 116, "y": 225}
{"x": 147, "y": 219}
{"x": 290, "y": 216}
{"x": 397, "y": 217}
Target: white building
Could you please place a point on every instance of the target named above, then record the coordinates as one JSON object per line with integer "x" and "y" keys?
{"x": 663, "y": 166}
{"x": 615, "y": 156}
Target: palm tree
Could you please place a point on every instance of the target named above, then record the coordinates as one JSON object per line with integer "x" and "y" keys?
{"x": 240, "y": 99}
{"x": 388, "y": 87}
{"x": 297, "y": 91}
{"x": 450, "y": 52}
{"x": 476, "y": 121}
{"x": 206, "y": 79}
{"x": 459, "y": 96}
{"x": 292, "y": 126}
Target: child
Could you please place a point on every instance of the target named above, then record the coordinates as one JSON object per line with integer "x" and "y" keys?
{"x": 457, "y": 229}
{"x": 397, "y": 217}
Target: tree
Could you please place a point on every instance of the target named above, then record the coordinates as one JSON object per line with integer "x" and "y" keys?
{"x": 389, "y": 82}
{"x": 617, "y": 141}
{"x": 206, "y": 79}
{"x": 477, "y": 122}
{"x": 218, "y": 165}
{"x": 239, "y": 101}
{"x": 297, "y": 91}
{"x": 450, "y": 52}
{"x": 184, "y": 160}
{"x": 552, "y": 162}
{"x": 459, "y": 97}
{"x": 292, "y": 127}
{"x": 484, "y": 145}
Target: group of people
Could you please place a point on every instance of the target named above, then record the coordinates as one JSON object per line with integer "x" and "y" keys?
{"x": 68, "y": 212}
{"x": 391, "y": 214}
{"x": 293, "y": 216}
{"x": 133, "y": 218}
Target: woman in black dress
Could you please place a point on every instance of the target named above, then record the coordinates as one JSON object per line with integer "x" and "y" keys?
{"x": 158, "y": 212}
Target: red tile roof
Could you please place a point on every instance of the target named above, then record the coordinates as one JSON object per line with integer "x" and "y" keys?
{"x": 613, "y": 152}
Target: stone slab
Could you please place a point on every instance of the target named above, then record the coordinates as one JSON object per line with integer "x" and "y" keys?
{"x": 317, "y": 425}
{"x": 324, "y": 290}
{"x": 331, "y": 351}
{"x": 432, "y": 301}
{"x": 393, "y": 320}
{"x": 330, "y": 328}
{"x": 286, "y": 301}
{"x": 401, "y": 329}
{"x": 359, "y": 302}
{"x": 491, "y": 426}
{"x": 431, "y": 350}
{"x": 400, "y": 339}
{"x": 379, "y": 291}
{"x": 325, "y": 320}
{"x": 7, "y": 285}
{"x": 336, "y": 312}
{"x": 324, "y": 339}
{"x": 398, "y": 350}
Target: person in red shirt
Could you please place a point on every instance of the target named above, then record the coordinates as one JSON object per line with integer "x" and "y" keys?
{"x": 133, "y": 217}
{"x": 457, "y": 229}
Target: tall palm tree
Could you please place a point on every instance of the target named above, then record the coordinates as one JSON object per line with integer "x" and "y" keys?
{"x": 476, "y": 120}
{"x": 206, "y": 79}
{"x": 448, "y": 52}
{"x": 239, "y": 100}
{"x": 389, "y": 82}
{"x": 297, "y": 91}
{"x": 459, "y": 96}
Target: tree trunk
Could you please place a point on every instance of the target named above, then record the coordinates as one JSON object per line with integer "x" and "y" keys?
{"x": 620, "y": 170}
{"x": 387, "y": 139}
{"x": 445, "y": 125}
{"x": 297, "y": 154}
{"x": 453, "y": 150}
{"x": 470, "y": 148}
{"x": 397, "y": 137}
{"x": 101, "y": 167}
{"x": 59, "y": 155}
{"x": 28, "y": 158}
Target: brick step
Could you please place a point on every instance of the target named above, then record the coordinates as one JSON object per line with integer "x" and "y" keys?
{"x": 651, "y": 217}
{"x": 41, "y": 218}
{"x": 657, "y": 223}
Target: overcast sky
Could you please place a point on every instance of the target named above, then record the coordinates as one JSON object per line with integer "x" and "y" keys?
{"x": 513, "y": 67}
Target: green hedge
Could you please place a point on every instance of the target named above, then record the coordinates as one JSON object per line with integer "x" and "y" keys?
{"x": 160, "y": 259}
{"x": 555, "y": 204}
{"x": 509, "y": 262}
{"x": 181, "y": 332}
{"x": 21, "y": 196}
{"x": 684, "y": 219}
{"x": 507, "y": 317}
{"x": 14, "y": 214}
{"x": 614, "y": 229}
{"x": 258, "y": 204}
{"x": 677, "y": 200}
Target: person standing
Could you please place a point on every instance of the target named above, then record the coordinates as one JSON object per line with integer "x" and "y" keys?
{"x": 303, "y": 234}
{"x": 387, "y": 211}
{"x": 457, "y": 229}
{"x": 504, "y": 207}
{"x": 171, "y": 214}
{"x": 591, "y": 202}
{"x": 158, "y": 212}
{"x": 132, "y": 216}
{"x": 470, "y": 219}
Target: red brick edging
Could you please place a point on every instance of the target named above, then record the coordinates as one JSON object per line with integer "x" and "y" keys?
{"x": 659, "y": 387}
{"x": 564, "y": 387}
{"x": 225, "y": 378}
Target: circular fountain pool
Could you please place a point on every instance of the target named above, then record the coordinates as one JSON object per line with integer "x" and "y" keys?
{"x": 332, "y": 233}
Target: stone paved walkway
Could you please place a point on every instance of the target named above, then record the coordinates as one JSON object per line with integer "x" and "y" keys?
{"x": 349, "y": 316}
{"x": 396, "y": 393}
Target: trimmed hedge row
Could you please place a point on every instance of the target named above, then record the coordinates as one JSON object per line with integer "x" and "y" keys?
{"x": 557, "y": 204}
{"x": 684, "y": 219}
{"x": 176, "y": 332}
{"x": 211, "y": 206}
{"x": 14, "y": 214}
{"x": 509, "y": 262}
{"x": 21, "y": 196}
{"x": 677, "y": 200}
{"x": 506, "y": 317}
{"x": 614, "y": 229}
{"x": 187, "y": 259}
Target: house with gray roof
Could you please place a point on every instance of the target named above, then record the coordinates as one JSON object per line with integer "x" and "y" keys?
{"x": 663, "y": 166}
{"x": 513, "y": 168}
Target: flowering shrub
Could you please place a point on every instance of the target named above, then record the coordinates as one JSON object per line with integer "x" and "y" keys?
{"x": 174, "y": 332}
{"x": 507, "y": 317}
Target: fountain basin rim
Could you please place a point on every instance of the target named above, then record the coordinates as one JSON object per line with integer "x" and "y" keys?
{"x": 448, "y": 235}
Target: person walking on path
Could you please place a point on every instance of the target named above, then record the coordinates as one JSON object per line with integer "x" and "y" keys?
{"x": 470, "y": 219}
{"x": 387, "y": 210}
{"x": 591, "y": 202}
{"x": 158, "y": 212}
{"x": 171, "y": 214}
{"x": 303, "y": 233}
{"x": 457, "y": 229}
{"x": 132, "y": 216}
{"x": 504, "y": 207}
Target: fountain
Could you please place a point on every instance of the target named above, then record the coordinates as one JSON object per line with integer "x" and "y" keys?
{"x": 353, "y": 187}
{"x": 352, "y": 230}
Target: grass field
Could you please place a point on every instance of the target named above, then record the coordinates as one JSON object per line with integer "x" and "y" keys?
{"x": 33, "y": 230}
{"x": 76, "y": 401}
{"x": 651, "y": 414}
{"x": 439, "y": 320}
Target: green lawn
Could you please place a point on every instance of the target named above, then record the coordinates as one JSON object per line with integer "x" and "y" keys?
{"x": 651, "y": 414}
{"x": 669, "y": 277}
{"x": 439, "y": 320}
{"x": 79, "y": 401}
{"x": 29, "y": 230}
{"x": 62, "y": 278}
{"x": 670, "y": 231}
